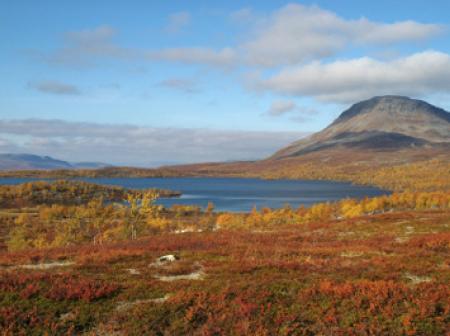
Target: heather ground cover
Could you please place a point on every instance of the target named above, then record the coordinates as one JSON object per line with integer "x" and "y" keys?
{"x": 372, "y": 274}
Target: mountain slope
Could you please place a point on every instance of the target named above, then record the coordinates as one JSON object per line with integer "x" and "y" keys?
{"x": 381, "y": 123}
{"x": 30, "y": 161}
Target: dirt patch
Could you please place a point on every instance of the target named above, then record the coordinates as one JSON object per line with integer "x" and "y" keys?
{"x": 351, "y": 254}
{"x": 133, "y": 271}
{"x": 198, "y": 274}
{"x": 70, "y": 316}
{"x": 122, "y": 306}
{"x": 43, "y": 266}
{"x": 415, "y": 279}
{"x": 401, "y": 240}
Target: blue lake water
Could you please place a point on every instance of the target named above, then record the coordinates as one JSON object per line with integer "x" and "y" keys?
{"x": 238, "y": 194}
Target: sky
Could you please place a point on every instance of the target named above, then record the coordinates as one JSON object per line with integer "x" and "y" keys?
{"x": 149, "y": 83}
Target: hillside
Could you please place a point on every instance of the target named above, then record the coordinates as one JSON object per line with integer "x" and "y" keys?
{"x": 30, "y": 161}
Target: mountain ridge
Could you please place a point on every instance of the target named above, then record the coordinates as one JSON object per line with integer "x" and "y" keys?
{"x": 355, "y": 107}
{"x": 25, "y": 161}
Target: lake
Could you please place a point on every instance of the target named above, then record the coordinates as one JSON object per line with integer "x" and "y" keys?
{"x": 238, "y": 194}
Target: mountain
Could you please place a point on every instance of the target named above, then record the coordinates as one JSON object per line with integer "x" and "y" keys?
{"x": 30, "y": 161}
{"x": 384, "y": 123}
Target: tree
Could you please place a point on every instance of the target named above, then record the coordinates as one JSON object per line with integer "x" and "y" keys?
{"x": 17, "y": 239}
{"x": 351, "y": 208}
{"x": 254, "y": 219}
{"x": 209, "y": 208}
{"x": 140, "y": 207}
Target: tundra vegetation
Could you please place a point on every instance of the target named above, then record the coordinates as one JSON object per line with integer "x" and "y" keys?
{"x": 81, "y": 258}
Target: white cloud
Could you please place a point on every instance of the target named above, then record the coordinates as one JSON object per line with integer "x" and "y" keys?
{"x": 178, "y": 21}
{"x": 280, "y": 107}
{"x": 54, "y": 87}
{"x": 297, "y": 33}
{"x": 385, "y": 33}
{"x": 85, "y": 47}
{"x": 290, "y": 35}
{"x": 298, "y": 37}
{"x": 242, "y": 15}
{"x": 7, "y": 146}
{"x": 298, "y": 114}
{"x": 143, "y": 146}
{"x": 225, "y": 57}
{"x": 351, "y": 80}
{"x": 180, "y": 84}
{"x": 88, "y": 47}
{"x": 90, "y": 37}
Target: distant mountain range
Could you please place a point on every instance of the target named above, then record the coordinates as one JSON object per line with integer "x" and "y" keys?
{"x": 384, "y": 123}
{"x": 30, "y": 161}
{"x": 380, "y": 131}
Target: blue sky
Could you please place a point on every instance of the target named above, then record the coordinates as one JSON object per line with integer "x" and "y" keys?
{"x": 155, "y": 82}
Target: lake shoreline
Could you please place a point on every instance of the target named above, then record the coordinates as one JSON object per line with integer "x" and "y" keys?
{"x": 235, "y": 194}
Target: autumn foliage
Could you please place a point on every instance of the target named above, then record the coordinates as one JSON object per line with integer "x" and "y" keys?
{"x": 377, "y": 266}
{"x": 65, "y": 192}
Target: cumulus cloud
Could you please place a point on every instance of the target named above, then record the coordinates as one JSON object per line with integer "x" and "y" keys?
{"x": 290, "y": 35}
{"x": 86, "y": 47}
{"x": 298, "y": 114}
{"x": 90, "y": 37}
{"x": 180, "y": 84}
{"x": 351, "y": 80}
{"x": 54, "y": 87}
{"x": 7, "y": 146}
{"x": 143, "y": 146}
{"x": 300, "y": 38}
{"x": 178, "y": 21}
{"x": 242, "y": 15}
{"x": 297, "y": 33}
{"x": 281, "y": 107}
{"x": 225, "y": 57}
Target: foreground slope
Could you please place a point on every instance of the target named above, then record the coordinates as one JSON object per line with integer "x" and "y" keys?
{"x": 376, "y": 275}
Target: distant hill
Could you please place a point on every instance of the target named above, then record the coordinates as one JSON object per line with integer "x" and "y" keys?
{"x": 30, "y": 161}
{"x": 382, "y": 124}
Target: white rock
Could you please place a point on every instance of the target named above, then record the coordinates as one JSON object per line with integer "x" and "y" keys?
{"x": 133, "y": 271}
{"x": 167, "y": 258}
